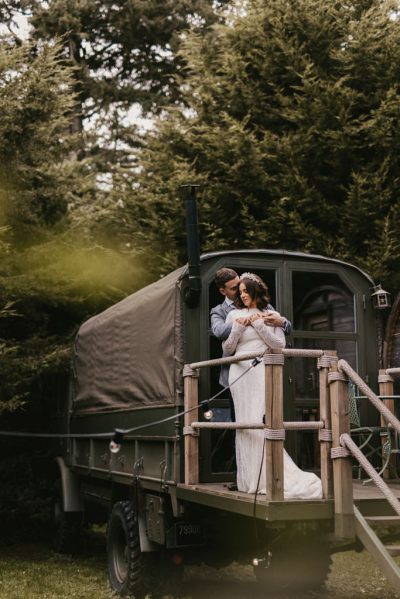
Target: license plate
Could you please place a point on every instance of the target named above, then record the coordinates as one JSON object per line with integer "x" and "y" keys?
{"x": 185, "y": 534}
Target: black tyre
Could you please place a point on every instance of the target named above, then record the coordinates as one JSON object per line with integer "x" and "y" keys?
{"x": 294, "y": 562}
{"x": 125, "y": 563}
{"x": 130, "y": 571}
{"x": 67, "y": 528}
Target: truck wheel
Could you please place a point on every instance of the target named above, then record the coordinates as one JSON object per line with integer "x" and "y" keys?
{"x": 67, "y": 528}
{"x": 299, "y": 562}
{"x": 130, "y": 571}
{"x": 128, "y": 568}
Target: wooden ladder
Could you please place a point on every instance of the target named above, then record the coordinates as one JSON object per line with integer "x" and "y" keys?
{"x": 381, "y": 553}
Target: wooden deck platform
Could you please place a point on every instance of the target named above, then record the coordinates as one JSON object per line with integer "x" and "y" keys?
{"x": 367, "y": 497}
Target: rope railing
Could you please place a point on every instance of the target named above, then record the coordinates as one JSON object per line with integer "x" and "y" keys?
{"x": 393, "y": 371}
{"x": 290, "y": 353}
{"x": 341, "y": 372}
{"x": 347, "y": 448}
{"x": 347, "y": 441}
{"x": 273, "y": 425}
{"x": 228, "y": 360}
{"x": 337, "y": 447}
{"x": 365, "y": 389}
{"x": 288, "y": 425}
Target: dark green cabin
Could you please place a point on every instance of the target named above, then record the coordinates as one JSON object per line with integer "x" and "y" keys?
{"x": 129, "y": 359}
{"x": 329, "y": 305}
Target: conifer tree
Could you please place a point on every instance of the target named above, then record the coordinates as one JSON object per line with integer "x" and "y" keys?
{"x": 126, "y": 60}
{"x": 52, "y": 274}
{"x": 292, "y": 133}
{"x": 125, "y": 52}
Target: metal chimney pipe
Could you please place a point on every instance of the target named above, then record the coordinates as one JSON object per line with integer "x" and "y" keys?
{"x": 193, "y": 290}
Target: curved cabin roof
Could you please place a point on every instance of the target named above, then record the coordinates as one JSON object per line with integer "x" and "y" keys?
{"x": 131, "y": 355}
{"x": 284, "y": 254}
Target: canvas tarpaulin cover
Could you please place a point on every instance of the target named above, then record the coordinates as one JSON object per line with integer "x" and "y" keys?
{"x": 131, "y": 355}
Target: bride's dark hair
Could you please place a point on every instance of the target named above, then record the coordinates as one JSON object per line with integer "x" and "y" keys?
{"x": 257, "y": 290}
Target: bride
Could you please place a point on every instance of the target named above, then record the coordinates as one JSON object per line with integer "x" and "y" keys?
{"x": 250, "y": 333}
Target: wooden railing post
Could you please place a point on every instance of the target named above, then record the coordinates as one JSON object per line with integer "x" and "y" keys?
{"x": 386, "y": 385}
{"x": 274, "y": 431}
{"x": 342, "y": 467}
{"x": 191, "y": 391}
{"x": 325, "y": 435}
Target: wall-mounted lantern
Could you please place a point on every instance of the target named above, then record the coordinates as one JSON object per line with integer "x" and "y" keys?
{"x": 380, "y": 298}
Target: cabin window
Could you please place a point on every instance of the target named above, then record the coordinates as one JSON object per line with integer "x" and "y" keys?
{"x": 306, "y": 379}
{"x": 322, "y": 302}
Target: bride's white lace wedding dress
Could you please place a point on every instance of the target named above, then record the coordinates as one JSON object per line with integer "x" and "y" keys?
{"x": 249, "y": 401}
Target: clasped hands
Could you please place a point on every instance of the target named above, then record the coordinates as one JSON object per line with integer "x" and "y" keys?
{"x": 270, "y": 318}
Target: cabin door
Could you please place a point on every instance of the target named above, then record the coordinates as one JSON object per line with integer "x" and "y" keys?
{"x": 323, "y": 309}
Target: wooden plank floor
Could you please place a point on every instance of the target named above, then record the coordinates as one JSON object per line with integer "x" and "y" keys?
{"x": 217, "y": 495}
{"x": 360, "y": 491}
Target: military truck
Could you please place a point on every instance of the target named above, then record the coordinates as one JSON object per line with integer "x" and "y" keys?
{"x": 148, "y": 453}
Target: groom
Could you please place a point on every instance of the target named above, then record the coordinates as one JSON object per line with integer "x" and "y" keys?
{"x": 227, "y": 282}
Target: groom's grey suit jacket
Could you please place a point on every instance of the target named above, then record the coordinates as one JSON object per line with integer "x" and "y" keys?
{"x": 222, "y": 330}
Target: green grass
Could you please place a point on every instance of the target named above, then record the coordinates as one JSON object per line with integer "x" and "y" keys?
{"x": 30, "y": 570}
{"x": 33, "y": 571}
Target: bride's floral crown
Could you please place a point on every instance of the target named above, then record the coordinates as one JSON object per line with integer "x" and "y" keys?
{"x": 251, "y": 276}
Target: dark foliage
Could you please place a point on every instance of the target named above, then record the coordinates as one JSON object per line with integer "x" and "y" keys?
{"x": 291, "y": 133}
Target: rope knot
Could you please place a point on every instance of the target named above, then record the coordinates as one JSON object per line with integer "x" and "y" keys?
{"x": 189, "y": 371}
{"x": 274, "y": 434}
{"x": 326, "y": 361}
{"x": 339, "y": 452}
{"x": 324, "y": 434}
{"x": 336, "y": 376}
{"x": 189, "y": 430}
{"x": 273, "y": 359}
{"x": 385, "y": 378}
